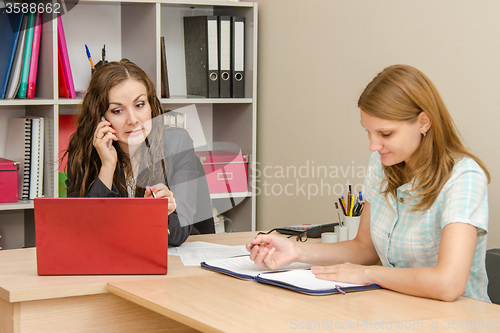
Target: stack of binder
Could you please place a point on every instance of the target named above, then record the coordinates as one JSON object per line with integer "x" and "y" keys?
{"x": 25, "y": 144}
{"x": 215, "y": 56}
{"x": 20, "y": 36}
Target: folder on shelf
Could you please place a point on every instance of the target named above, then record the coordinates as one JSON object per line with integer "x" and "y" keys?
{"x": 37, "y": 160}
{"x": 37, "y": 35}
{"x": 63, "y": 50}
{"x": 63, "y": 87}
{"x": 165, "y": 90}
{"x": 238, "y": 57}
{"x": 25, "y": 143}
{"x": 201, "y": 54}
{"x": 67, "y": 126}
{"x": 23, "y": 85}
{"x": 225, "y": 56}
{"x": 10, "y": 26}
{"x": 17, "y": 65}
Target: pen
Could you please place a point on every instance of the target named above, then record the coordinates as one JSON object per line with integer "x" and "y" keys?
{"x": 154, "y": 196}
{"x": 90, "y": 58}
{"x": 261, "y": 244}
{"x": 342, "y": 205}
{"x": 355, "y": 209}
{"x": 338, "y": 212}
{"x": 348, "y": 202}
{"x": 103, "y": 54}
{"x": 360, "y": 208}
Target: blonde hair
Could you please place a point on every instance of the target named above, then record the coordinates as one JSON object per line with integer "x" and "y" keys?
{"x": 401, "y": 93}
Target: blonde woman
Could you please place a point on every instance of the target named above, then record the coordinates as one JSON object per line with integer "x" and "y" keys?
{"x": 426, "y": 210}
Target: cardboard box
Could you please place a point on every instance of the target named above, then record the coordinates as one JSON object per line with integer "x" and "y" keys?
{"x": 226, "y": 172}
{"x": 9, "y": 191}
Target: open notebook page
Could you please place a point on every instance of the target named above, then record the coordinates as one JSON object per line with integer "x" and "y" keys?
{"x": 304, "y": 279}
{"x": 244, "y": 266}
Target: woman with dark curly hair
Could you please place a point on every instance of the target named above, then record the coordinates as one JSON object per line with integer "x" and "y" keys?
{"x": 121, "y": 147}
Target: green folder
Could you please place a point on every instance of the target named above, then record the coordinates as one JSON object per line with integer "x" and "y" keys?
{"x": 21, "y": 93}
{"x": 62, "y": 184}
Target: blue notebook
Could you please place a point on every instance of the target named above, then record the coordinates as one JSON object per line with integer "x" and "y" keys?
{"x": 10, "y": 26}
{"x": 17, "y": 65}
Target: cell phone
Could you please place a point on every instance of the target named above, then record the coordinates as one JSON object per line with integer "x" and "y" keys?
{"x": 110, "y": 142}
{"x": 313, "y": 230}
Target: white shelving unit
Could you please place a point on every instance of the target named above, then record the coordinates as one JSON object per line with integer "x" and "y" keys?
{"x": 132, "y": 29}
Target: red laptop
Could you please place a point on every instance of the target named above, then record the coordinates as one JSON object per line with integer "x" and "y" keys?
{"x": 82, "y": 236}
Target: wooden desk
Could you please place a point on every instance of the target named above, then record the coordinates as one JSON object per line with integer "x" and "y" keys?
{"x": 32, "y": 303}
{"x": 219, "y": 303}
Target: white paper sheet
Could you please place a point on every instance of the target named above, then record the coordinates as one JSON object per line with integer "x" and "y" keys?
{"x": 193, "y": 253}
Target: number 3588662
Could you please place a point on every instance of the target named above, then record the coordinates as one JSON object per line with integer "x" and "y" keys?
{"x": 25, "y": 8}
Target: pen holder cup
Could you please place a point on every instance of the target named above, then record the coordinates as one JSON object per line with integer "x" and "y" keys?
{"x": 352, "y": 224}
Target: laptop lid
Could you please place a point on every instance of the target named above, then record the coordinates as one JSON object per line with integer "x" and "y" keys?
{"x": 80, "y": 236}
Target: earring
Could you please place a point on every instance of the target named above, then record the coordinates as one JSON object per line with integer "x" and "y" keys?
{"x": 424, "y": 133}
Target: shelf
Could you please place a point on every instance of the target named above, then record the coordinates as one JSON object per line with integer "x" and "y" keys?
{"x": 230, "y": 195}
{"x": 172, "y": 100}
{"x": 27, "y": 204}
{"x": 201, "y": 100}
{"x": 25, "y": 102}
{"x": 68, "y": 101}
{"x": 178, "y": 2}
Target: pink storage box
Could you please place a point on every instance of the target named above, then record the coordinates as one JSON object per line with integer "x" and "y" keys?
{"x": 9, "y": 191}
{"x": 226, "y": 172}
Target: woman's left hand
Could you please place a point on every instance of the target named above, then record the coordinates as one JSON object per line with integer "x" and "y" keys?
{"x": 162, "y": 191}
{"x": 347, "y": 273}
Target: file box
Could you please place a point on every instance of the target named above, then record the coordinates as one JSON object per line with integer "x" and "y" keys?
{"x": 9, "y": 186}
{"x": 226, "y": 172}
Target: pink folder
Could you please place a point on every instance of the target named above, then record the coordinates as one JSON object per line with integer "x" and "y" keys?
{"x": 37, "y": 34}
{"x": 63, "y": 50}
{"x": 63, "y": 87}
